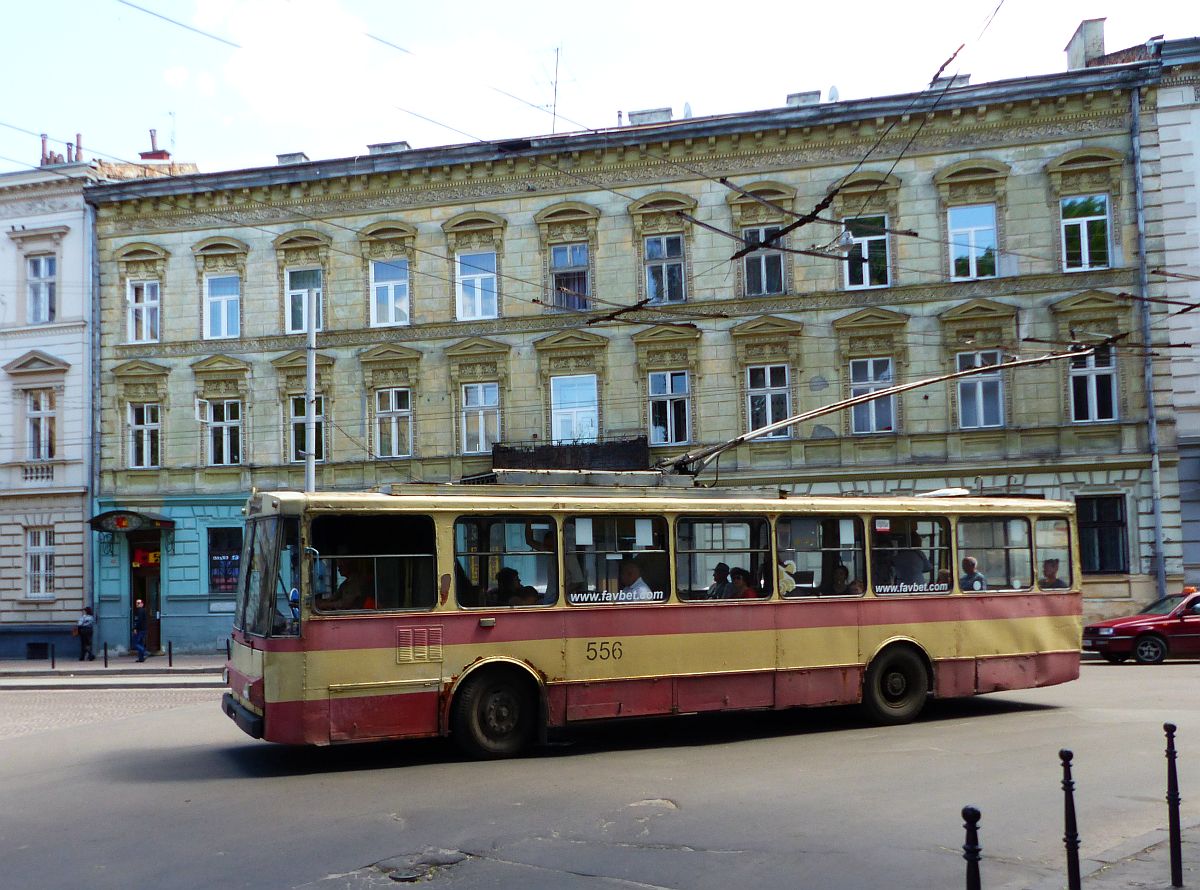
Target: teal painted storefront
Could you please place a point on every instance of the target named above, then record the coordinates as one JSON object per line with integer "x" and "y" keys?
{"x": 188, "y": 590}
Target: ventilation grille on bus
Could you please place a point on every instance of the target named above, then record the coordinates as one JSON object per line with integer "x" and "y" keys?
{"x": 418, "y": 644}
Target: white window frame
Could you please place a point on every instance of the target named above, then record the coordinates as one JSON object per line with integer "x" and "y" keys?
{"x": 395, "y": 296}
{"x": 668, "y": 397}
{"x": 1081, "y": 222}
{"x": 143, "y": 298}
{"x": 41, "y": 271}
{"x": 967, "y": 236}
{"x": 39, "y": 562}
{"x": 296, "y": 427}
{"x": 872, "y": 384}
{"x": 481, "y": 279}
{"x": 147, "y": 434}
{"x": 224, "y": 430}
{"x": 862, "y": 247}
{"x": 762, "y": 257}
{"x": 579, "y": 417}
{"x": 972, "y": 388}
{"x": 663, "y": 263}
{"x": 569, "y": 298}
{"x": 301, "y": 294}
{"x": 40, "y": 423}
{"x": 394, "y": 421}
{"x": 226, "y": 307}
{"x": 1094, "y": 374}
{"x": 481, "y": 400}
{"x": 766, "y": 393}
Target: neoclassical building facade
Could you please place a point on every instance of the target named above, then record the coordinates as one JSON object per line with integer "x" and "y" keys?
{"x": 584, "y": 287}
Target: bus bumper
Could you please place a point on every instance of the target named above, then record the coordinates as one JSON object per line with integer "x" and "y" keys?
{"x": 249, "y": 722}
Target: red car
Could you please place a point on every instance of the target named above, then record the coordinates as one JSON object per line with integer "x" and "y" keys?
{"x": 1169, "y": 626}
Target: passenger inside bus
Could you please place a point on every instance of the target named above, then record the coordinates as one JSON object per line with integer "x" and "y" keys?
{"x": 509, "y": 591}
{"x": 838, "y": 584}
{"x": 376, "y": 561}
{"x": 357, "y": 587}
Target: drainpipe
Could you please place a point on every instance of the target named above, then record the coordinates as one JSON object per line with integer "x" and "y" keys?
{"x": 93, "y": 397}
{"x": 1135, "y": 135}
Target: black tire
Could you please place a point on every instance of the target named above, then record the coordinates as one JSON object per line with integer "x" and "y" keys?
{"x": 895, "y": 686}
{"x": 1149, "y": 649}
{"x": 494, "y": 715}
{"x": 1113, "y": 658}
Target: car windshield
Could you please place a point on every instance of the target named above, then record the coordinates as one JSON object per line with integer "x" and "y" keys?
{"x": 1164, "y": 606}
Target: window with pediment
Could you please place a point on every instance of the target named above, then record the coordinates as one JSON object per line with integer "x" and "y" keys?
{"x": 142, "y": 269}
{"x": 663, "y": 240}
{"x": 38, "y": 387}
{"x": 220, "y": 272}
{"x": 302, "y": 258}
{"x": 222, "y": 394}
{"x": 1093, "y": 387}
{"x": 980, "y": 334}
{"x": 389, "y": 259}
{"x": 873, "y": 346}
{"x": 567, "y": 232}
{"x": 769, "y": 356}
{"x": 572, "y": 366}
{"x": 141, "y": 394}
{"x": 867, "y": 204}
{"x": 475, "y": 242}
{"x": 391, "y": 374}
{"x": 973, "y": 196}
{"x": 668, "y": 364}
{"x": 38, "y": 274}
{"x": 765, "y": 271}
{"x": 479, "y": 374}
{"x": 1086, "y": 184}
{"x": 290, "y": 370}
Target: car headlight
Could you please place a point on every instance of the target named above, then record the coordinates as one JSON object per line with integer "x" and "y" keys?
{"x": 1106, "y": 631}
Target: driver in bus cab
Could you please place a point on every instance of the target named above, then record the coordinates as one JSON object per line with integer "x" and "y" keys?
{"x": 632, "y": 582}
{"x": 357, "y": 590}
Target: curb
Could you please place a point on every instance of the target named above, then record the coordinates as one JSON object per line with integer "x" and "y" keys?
{"x": 111, "y": 672}
{"x": 157, "y": 681}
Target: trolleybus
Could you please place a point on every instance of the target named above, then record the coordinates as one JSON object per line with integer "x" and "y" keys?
{"x": 491, "y": 614}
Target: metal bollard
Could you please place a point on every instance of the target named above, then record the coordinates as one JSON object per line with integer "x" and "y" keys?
{"x": 170, "y": 653}
{"x": 106, "y": 653}
{"x": 1071, "y": 831}
{"x": 1176, "y": 839}
{"x": 53, "y": 662}
{"x": 971, "y": 848}
{"x": 228, "y": 654}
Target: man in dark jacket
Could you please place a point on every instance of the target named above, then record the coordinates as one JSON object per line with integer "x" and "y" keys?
{"x": 139, "y": 629}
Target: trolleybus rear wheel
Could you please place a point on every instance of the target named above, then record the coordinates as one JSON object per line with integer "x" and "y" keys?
{"x": 895, "y": 686}
{"x": 494, "y": 715}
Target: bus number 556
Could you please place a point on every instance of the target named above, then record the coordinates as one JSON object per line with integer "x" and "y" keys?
{"x": 604, "y": 650}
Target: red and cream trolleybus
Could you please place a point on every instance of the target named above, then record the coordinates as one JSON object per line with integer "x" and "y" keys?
{"x": 491, "y": 613}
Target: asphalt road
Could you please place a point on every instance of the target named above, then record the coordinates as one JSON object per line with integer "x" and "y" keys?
{"x": 156, "y": 788}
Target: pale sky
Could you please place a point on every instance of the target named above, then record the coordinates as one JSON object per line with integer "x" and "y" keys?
{"x": 307, "y": 77}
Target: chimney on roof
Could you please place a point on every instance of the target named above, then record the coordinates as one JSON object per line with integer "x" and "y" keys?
{"x": 796, "y": 100}
{"x": 1086, "y": 44}
{"x": 154, "y": 154}
{"x": 387, "y": 148}
{"x": 954, "y": 80}
{"x": 79, "y": 147}
{"x": 45, "y": 150}
{"x": 294, "y": 157}
{"x": 649, "y": 116}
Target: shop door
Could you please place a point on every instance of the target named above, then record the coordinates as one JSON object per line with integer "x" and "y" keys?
{"x": 145, "y": 564}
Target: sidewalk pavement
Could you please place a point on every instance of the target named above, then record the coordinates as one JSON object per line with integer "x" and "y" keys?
{"x": 123, "y": 672}
{"x": 1141, "y": 863}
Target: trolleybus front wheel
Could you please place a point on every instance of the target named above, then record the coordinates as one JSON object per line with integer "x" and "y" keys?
{"x": 896, "y": 685}
{"x": 494, "y": 715}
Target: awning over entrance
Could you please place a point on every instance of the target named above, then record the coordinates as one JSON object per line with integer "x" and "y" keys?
{"x": 129, "y": 521}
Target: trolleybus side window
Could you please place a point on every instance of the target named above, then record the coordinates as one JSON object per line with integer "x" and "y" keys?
{"x": 505, "y": 561}
{"x": 374, "y": 562}
{"x": 1053, "y": 553}
{"x": 996, "y": 553}
{"x": 911, "y": 554}
{"x": 821, "y": 556}
{"x": 722, "y": 559}
{"x": 621, "y": 559}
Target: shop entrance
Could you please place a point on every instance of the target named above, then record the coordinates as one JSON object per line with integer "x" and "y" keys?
{"x": 145, "y": 564}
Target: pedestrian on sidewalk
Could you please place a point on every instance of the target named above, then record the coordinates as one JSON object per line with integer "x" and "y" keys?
{"x": 85, "y": 628}
{"x": 139, "y": 629}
